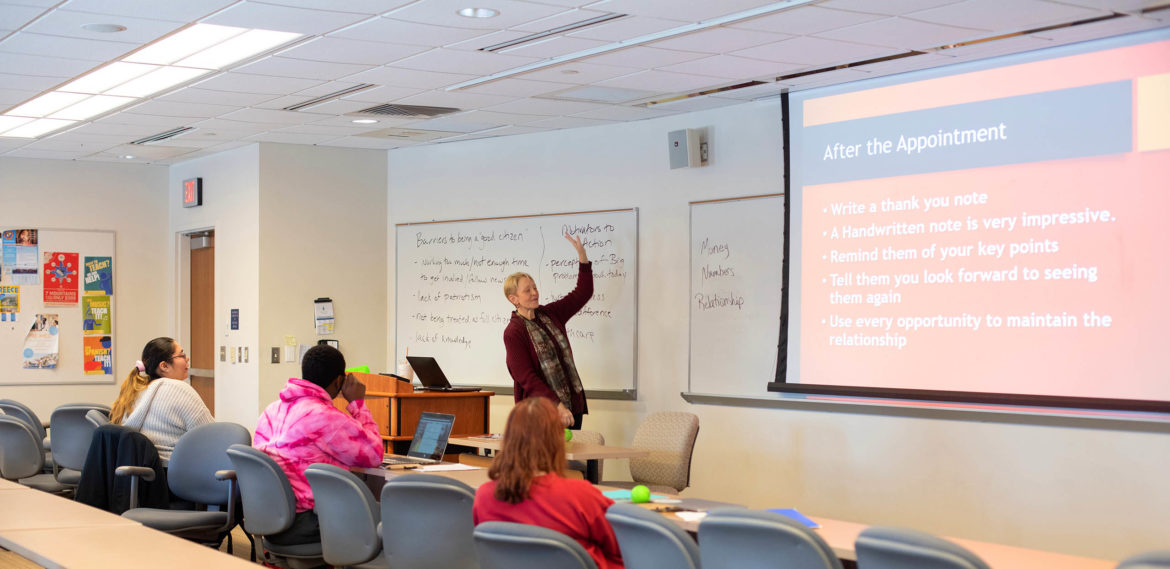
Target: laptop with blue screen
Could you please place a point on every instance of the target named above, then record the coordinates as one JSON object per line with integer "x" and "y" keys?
{"x": 429, "y": 442}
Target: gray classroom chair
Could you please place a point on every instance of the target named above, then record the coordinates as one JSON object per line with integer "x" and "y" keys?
{"x": 269, "y": 507}
{"x": 427, "y": 522}
{"x": 199, "y": 472}
{"x": 21, "y": 455}
{"x": 23, "y": 412}
{"x": 589, "y": 437}
{"x": 71, "y": 435}
{"x": 97, "y": 418}
{"x": 670, "y": 438}
{"x": 505, "y": 545}
{"x": 1147, "y": 560}
{"x": 738, "y": 538}
{"x": 648, "y": 540}
{"x": 348, "y": 516}
{"x": 881, "y": 547}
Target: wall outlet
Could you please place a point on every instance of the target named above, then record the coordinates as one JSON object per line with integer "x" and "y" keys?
{"x": 223, "y": 353}
{"x": 276, "y": 355}
{"x": 245, "y": 348}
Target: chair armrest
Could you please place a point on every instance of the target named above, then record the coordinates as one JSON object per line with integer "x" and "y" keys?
{"x": 142, "y": 472}
{"x": 225, "y": 474}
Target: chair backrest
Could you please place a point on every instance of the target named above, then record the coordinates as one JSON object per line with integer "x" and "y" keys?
{"x": 889, "y": 547}
{"x": 648, "y": 540}
{"x": 749, "y": 539}
{"x": 347, "y": 514}
{"x": 97, "y": 418}
{"x": 595, "y": 438}
{"x": 72, "y": 433}
{"x": 21, "y": 455}
{"x": 505, "y": 545}
{"x": 1147, "y": 560}
{"x": 670, "y": 438}
{"x": 21, "y": 411}
{"x": 198, "y": 454}
{"x": 269, "y": 505}
{"x": 427, "y": 522}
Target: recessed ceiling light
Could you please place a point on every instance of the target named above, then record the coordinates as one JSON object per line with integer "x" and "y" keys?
{"x": 478, "y": 13}
{"x": 37, "y": 128}
{"x": 128, "y": 156}
{"x": 104, "y": 28}
{"x": 364, "y": 121}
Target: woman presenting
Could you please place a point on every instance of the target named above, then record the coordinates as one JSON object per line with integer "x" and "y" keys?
{"x": 539, "y": 356}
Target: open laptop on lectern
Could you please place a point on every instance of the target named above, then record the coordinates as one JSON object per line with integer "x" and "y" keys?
{"x": 429, "y": 442}
{"x": 431, "y": 376}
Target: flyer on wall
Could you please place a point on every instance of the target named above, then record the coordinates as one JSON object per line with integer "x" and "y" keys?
{"x": 9, "y": 302}
{"x": 40, "y": 346}
{"x": 19, "y": 257}
{"x": 61, "y": 278}
{"x": 98, "y": 355}
{"x": 95, "y": 315}
{"x": 99, "y": 275}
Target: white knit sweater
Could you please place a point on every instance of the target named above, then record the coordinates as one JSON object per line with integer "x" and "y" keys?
{"x": 165, "y": 410}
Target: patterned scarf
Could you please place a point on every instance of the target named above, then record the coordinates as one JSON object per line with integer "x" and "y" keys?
{"x": 551, "y": 352}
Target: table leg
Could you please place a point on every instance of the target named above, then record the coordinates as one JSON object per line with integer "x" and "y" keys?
{"x": 591, "y": 471}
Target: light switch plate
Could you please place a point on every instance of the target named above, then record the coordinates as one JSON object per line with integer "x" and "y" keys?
{"x": 223, "y": 353}
{"x": 276, "y": 355}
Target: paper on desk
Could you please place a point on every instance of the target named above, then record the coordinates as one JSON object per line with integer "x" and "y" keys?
{"x": 445, "y": 467}
{"x": 624, "y": 495}
{"x": 691, "y": 516}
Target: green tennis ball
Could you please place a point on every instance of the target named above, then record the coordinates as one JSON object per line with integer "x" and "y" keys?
{"x": 639, "y": 494}
{"x": 568, "y": 435}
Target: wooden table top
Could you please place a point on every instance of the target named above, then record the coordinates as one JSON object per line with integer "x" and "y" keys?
{"x": 573, "y": 450}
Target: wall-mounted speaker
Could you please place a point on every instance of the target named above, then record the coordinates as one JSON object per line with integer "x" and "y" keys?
{"x": 684, "y": 148}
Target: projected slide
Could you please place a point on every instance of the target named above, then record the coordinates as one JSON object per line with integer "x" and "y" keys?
{"x": 1000, "y": 229}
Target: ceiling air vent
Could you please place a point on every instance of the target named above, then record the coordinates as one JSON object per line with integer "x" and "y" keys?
{"x": 164, "y": 135}
{"x": 404, "y": 111}
{"x": 329, "y": 97}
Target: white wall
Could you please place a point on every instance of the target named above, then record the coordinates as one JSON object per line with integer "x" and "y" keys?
{"x": 1084, "y": 491}
{"x": 323, "y": 234}
{"x": 129, "y": 199}
{"x": 231, "y": 206}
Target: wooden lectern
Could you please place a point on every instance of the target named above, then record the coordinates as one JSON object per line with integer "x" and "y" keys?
{"x": 396, "y": 407}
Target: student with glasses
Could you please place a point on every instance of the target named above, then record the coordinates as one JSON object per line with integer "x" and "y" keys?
{"x": 156, "y": 401}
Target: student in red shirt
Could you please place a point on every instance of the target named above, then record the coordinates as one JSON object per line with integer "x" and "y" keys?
{"x": 528, "y": 485}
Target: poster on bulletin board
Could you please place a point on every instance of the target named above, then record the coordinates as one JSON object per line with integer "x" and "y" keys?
{"x": 58, "y": 308}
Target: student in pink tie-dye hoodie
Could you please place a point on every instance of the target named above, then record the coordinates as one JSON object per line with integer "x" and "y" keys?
{"x": 303, "y": 427}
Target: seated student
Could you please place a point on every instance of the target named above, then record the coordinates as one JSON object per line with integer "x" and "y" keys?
{"x": 303, "y": 427}
{"x": 155, "y": 400}
{"x": 528, "y": 484}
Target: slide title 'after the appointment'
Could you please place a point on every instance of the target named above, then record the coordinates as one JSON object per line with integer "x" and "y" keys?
{"x": 916, "y": 144}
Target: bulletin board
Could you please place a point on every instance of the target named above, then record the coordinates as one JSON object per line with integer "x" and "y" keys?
{"x": 62, "y": 272}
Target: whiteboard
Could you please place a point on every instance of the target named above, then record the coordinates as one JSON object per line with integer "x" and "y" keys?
{"x": 70, "y": 345}
{"x": 737, "y": 249}
{"x": 450, "y": 301}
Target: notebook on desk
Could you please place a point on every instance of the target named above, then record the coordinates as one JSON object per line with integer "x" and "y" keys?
{"x": 431, "y": 375}
{"x": 429, "y": 441}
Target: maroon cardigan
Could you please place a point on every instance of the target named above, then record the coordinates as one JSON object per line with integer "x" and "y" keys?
{"x": 521, "y": 355}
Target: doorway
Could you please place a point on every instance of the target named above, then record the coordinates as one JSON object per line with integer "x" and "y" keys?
{"x": 201, "y": 315}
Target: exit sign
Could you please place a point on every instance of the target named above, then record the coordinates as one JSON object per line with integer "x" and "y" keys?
{"x": 193, "y": 192}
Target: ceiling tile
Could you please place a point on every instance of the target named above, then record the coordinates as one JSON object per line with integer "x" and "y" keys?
{"x": 347, "y": 122}
{"x": 246, "y": 83}
{"x": 385, "y": 30}
{"x": 77, "y": 48}
{"x": 626, "y": 28}
{"x": 335, "y": 106}
{"x": 456, "y": 99}
{"x": 564, "y": 18}
{"x": 219, "y": 128}
{"x": 68, "y": 23}
{"x": 644, "y": 57}
{"x": 64, "y": 144}
{"x": 209, "y": 96}
{"x": 903, "y": 33}
{"x": 815, "y": 51}
{"x": 567, "y": 122}
{"x": 488, "y": 40}
{"x": 334, "y": 130}
{"x": 106, "y": 127}
{"x": 1004, "y": 46}
{"x": 489, "y": 117}
{"x": 369, "y": 142}
{"x": 552, "y": 47}
{"x": 903, "y": 64}
{"x": 27, "y": 82}
{"x": 184, "y": 11}
{"x": 469, "y": 62}
{"x": 455, "y": 123}
{"x": 751, "y": 93}
{"x": 184, "y": 110}
{"x": 502, "y": 131}
{"x": 685, "y": 11}
{"x": 887, "y": 7}
{"x": 694, "y": 104}
{"x": 341, "y": 50}
{"x": 621, "y": 113}
{"x": 43, "y": 154}
{"x": 445, "y": 13}
{"x": 805, "y": 20}
{"x": 1102, "y": 29}
{"x": 354, "y": 6}
{"x": 719, "y": 40}
{"x": 152, "y": 123}
{"x": 833, "y": 77}
{"x": 545, "y": 107}
{"x": 10, "y": 97}
{"x": 285, "y": 67}
{"x": 415, "y": 78}
{"x": 1004, "y": 15}
{"x": 578, "y": 73}
{"x": 14, "y": 17}
{"x": 663, "y": 81}
{"x": 291, "y": 138}
{"x": 515, "y": 87}
{"x": 267, "y": 116}
{"x": 383, "y": 94}
{"x": 40, "y": 66}
{"x": 284, "y": 18}
{"x": 731, "y": 67}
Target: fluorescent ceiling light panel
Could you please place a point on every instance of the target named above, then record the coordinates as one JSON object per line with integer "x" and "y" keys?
{"x": 9, "y": 123}
{"x": 238, "y": 48}
{"x": 184, "y": 44}
{"x": 37, "y": 128}
{"x": 108, "y": 77}
{"x": 46, "y": 104}
{"x": 689, "y": 28}
{"x": 155, "y": 81}
{"x": 91, "y": 107}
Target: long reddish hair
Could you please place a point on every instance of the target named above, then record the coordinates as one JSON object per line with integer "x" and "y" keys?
{"x": 534, "y": 444}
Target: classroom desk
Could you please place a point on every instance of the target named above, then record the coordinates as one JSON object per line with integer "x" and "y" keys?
{"x": 33, "y": 509}
{"x": 115, "y": 547}
{"x": 589, "y": 452}
{"x": 10, "y": 485}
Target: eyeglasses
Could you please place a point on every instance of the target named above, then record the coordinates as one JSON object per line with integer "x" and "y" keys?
{"x": 179, "y": 355}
